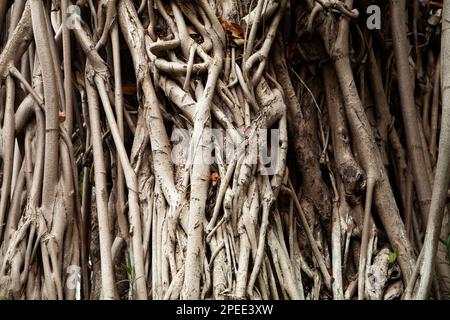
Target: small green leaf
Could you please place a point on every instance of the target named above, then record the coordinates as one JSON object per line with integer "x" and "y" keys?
{"x": 392, "y": 257}
{"x": 129, "y": 267}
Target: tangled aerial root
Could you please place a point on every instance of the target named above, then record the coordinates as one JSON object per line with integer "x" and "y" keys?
{"x": 168, "y": 149}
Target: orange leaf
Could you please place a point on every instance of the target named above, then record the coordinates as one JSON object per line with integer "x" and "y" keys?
{"x": 62, "y": 117}
{"x": 233, "y": 29}
{"x": 214, "y": 178}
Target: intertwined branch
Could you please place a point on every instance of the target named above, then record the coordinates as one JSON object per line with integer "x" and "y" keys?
{"x": 117, "y": 176}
